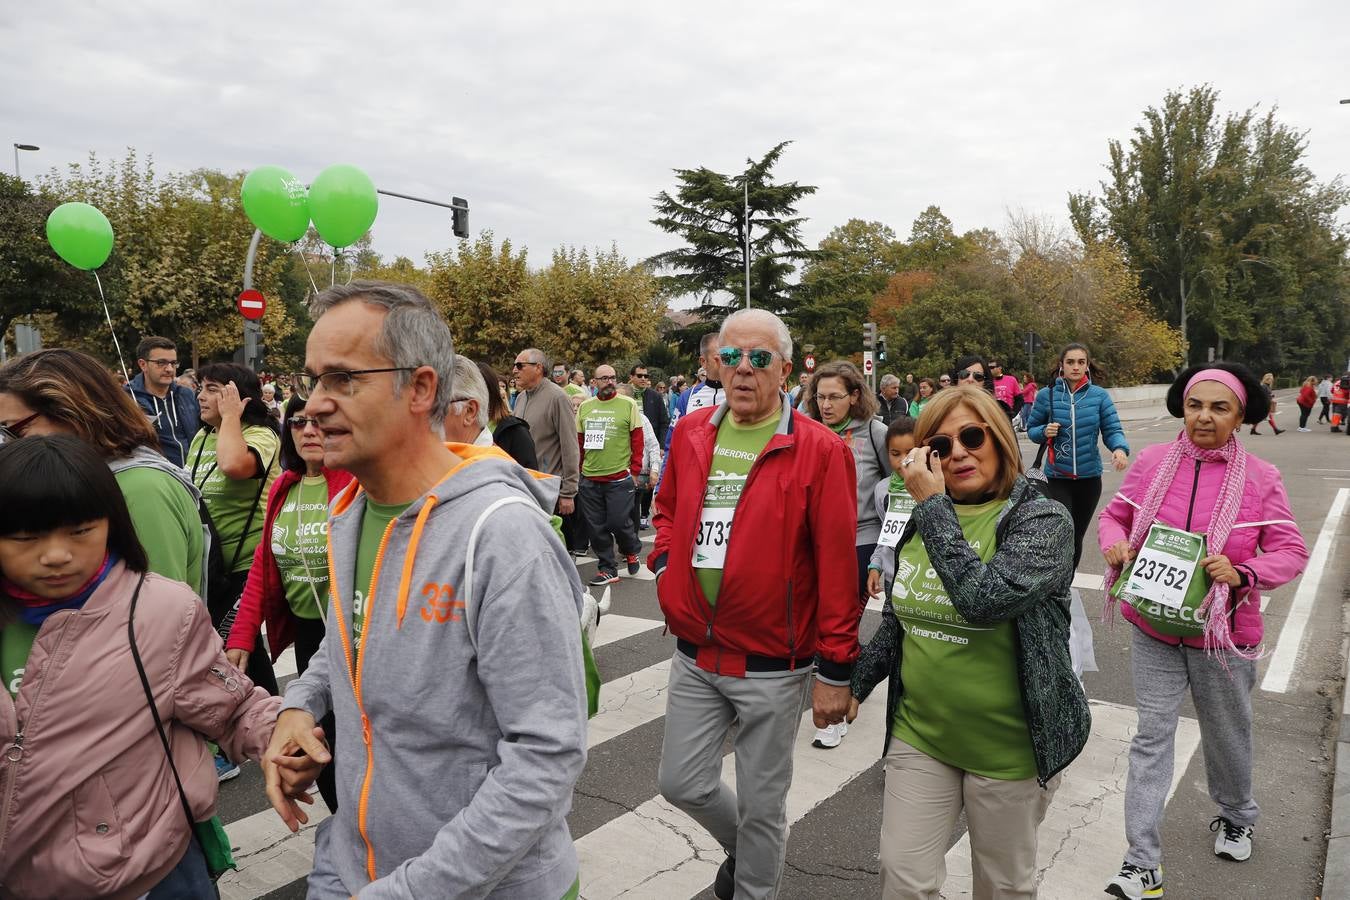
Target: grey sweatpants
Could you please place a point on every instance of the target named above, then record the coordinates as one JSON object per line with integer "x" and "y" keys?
{"x": 1223, "y": 705}
{"x": 750, "y": 822}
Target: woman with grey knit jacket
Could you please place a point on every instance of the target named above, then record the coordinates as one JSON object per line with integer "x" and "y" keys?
{"x": 983, "y": 709}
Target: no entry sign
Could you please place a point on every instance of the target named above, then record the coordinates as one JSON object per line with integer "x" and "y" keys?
{"x": 252, "y": 304}
{"x": 810, "y": 362}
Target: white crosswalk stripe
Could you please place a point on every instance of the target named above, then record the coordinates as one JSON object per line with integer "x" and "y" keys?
{"x": 656, "y": 851}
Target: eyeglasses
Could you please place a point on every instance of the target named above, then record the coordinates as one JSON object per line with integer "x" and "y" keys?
{"x": 520, "y": 365}
{"x": 968, "y": 373}
{"x": 945, "y": 379}
{"x": 336, "y": 382}
{"x": 164, "y": 363}
{"x": 606, "y": 378}
{"x": 971, "y": 437}
{"x": 16, "y": 430}
{"x": 759, "y": 357}
{"x": 300, "y": 423}
{"x": 831, "y": 398}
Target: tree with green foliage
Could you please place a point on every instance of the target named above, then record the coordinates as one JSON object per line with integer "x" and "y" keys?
{"x": 33, "y": 279}
{"x": 852, "y": 265}
{"x": 1234, "y": 240}
{"x": 481, "y": 289}
{"x": 708, "y": 213}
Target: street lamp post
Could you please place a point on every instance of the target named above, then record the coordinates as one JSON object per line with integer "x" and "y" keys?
{"x": 746, "y": 183}
{"x": 17, "y": 148}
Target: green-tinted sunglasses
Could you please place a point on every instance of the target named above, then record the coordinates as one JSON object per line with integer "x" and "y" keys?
{"x": 759, "y": 357}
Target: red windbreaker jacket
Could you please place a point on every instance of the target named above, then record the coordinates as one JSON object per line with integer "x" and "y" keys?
{"x": 790, "y": 586}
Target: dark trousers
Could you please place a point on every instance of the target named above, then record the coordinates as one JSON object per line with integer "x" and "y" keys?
{"x": 864, "y": 552}
{"x": 189, "y": 880}
{"x": 1079, "y": 496}
{"x": 259, "y": 668}
{"x": 1325, "y": 414}
{"x": 1303, "y": 413}
{"x": 308, "y": 635}
{"x": 608, "y": 506}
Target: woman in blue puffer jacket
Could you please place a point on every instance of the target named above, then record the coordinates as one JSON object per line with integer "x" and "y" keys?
{"x": 1072, "y": 413}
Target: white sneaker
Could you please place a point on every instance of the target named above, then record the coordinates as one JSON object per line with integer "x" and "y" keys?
{"x": 829, "y": 738}
{"x": 1305, "y": 430}
{"x": 1134, "y": 883}
{"x": 1233, "y": 841}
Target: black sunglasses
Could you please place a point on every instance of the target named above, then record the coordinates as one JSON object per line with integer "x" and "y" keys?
{"x": 16, "y": 430}
{"x": 298, "y": 423}
{"x": 969, "y": 373}
{"x": 972, "y": 437}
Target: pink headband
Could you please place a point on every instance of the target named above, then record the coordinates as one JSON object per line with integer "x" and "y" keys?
{"x": 1227, "y": 379}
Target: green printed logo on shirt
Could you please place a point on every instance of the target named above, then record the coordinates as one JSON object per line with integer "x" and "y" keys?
{"x": 961, "y": 704}
{"x": 734, "y": 455}
{"x": 300, "y": 546}
{"x": 16, "y": 642}
{"x": 229, "y": 500}
{"x": 605, "y": 426}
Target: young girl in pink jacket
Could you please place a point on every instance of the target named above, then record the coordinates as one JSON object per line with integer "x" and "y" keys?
{"x": 100, "y": 796}
{"x": 1207, "y": 642}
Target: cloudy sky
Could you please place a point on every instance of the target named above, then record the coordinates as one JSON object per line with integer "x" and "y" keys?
{"x": 560, "y": 121}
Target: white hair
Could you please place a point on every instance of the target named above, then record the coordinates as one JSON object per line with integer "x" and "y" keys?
{"x": 888, "y": 379}
{"x": 469, "y": 385}
{"x": 761, "y": 317}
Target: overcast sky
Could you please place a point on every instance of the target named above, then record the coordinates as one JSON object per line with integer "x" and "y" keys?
{"x": 560, "y": 121}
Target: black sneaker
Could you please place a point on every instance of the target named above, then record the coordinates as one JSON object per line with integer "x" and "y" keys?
{"x": 1136, "y": 883}
{"x": 724, "y": 885}
{"x": 633, "y": 564}
{"x": 603, "y": 578}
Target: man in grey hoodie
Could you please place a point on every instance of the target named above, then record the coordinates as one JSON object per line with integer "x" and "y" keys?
{"x": 452, "y": 656}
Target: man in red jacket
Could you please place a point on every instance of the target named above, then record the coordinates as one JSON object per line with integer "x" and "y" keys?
{"x": 761, "y": 621}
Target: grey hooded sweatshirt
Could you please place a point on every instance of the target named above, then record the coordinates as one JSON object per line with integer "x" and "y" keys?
{"x": 473, "y": 741}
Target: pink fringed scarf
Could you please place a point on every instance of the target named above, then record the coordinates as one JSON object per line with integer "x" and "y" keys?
{"x": 1217, "y": 603}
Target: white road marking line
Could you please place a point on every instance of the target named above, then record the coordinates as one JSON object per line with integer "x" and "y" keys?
{"x": 614, "y": 627}
{"x": 1082, "y": 840}
{"x": 658, "y": 852}
{"x": 1282, "y": 661}
{"x": 285, "y": 666}
{"x": 269, "y": 856}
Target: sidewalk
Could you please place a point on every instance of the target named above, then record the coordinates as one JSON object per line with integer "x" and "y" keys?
{"x": 1336, "y": 877}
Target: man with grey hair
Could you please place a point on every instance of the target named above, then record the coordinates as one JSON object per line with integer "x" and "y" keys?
{"x": 471, "y": 671}
{"x": 787, "y": 589}
{"x": 892, "y": 405}
{"x": 545, "y": 408}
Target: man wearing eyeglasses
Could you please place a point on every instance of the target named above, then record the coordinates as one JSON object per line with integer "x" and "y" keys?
{"x": 545, "y": 408}
{"x": 171, "y": 408}
{"x": 457, "y": 686}
{"x": 765, "y": 613}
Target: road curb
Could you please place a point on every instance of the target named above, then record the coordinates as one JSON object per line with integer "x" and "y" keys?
{"x": 1336, "y": 875}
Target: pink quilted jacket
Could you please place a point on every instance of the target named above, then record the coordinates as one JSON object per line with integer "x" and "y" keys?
{"x": 1264, "y": 523}
{"x": 88, "y": 806}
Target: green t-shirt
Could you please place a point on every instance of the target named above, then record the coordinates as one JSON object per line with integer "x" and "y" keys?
{"x": 16, "y": 642}
{"x": 961, "y": 703}
{"x": 230, "y": 501}
{"x": 373, "y": 524}
{"x": 605, "y": 426}
{"x": 300, "y": 546}
{"x": 575, "y": 390}
{"x": 737, "y": 448}
{"x": 167, "y": 523}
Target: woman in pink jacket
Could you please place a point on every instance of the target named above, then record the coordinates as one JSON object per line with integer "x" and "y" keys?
{"x": 102, "y": 793}
{"x": 1201, "y": 633}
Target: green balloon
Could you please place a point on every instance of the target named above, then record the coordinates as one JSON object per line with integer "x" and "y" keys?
{"x": 276, "y": 203}
{"x": 343, "y": 203}
{"x": 80, "y": 234}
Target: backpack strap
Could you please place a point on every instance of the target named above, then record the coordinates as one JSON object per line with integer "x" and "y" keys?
{"x": 470, "y": 607}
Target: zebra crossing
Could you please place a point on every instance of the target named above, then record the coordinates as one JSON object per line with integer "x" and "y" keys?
{"x": 653, "y": 850}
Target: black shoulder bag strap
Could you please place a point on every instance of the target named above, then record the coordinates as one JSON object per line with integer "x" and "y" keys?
{"x": 1040, "y": 454}
{"x": 227, "y": 622}
{"x": 871, "y": 439}
{"x": 154, "y": 710}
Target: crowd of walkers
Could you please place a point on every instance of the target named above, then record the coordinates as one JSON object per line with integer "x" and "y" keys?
{"x": 403, "y": 517}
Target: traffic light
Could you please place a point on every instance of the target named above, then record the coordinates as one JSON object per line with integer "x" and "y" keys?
{"x": 869, "y": 335}
{"x": 881, "y": 348}
{"x": 460, "y": 213}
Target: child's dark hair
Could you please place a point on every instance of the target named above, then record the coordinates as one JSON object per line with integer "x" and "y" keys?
{"x": 59, "y": 481}
{"x": 900, "y": 425}
{"x": 249, "y": 387}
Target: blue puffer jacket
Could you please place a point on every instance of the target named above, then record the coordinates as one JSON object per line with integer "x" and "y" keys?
{"x": 1082, "y": 416}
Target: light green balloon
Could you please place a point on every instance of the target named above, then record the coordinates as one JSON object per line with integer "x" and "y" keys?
{"x": 343, "y": 204}
{"x": 80, "y": 234}
{"x": 276, "y": 202}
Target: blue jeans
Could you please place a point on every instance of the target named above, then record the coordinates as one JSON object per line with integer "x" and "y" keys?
{"x": 189, "y": 880}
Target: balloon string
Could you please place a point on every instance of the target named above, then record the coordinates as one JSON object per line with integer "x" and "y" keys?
{"x": 332, "y": 269}
{"x": 107, "y": 315}
{"x": 308, "y": 273}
